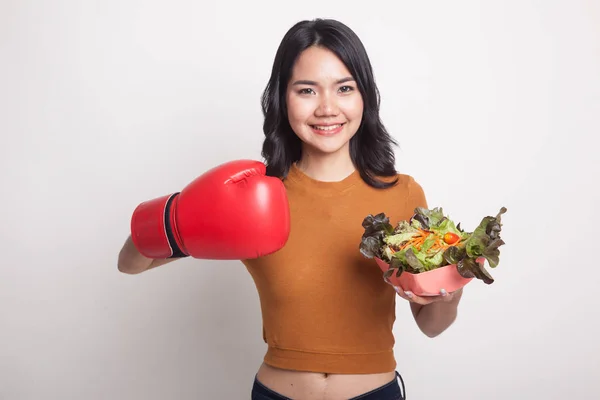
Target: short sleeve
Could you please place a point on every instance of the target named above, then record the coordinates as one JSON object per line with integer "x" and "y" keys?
{"x": 416, "y": 195}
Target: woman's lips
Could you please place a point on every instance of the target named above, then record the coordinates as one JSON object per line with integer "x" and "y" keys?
{"x": 327, "y": 130}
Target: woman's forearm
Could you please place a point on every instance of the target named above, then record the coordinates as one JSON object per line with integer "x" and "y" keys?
{"x": 131, "y": 261}
{"x": 433, "y": 319}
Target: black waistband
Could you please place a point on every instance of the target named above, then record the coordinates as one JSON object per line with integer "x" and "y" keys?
{"x": 389, "y": 391}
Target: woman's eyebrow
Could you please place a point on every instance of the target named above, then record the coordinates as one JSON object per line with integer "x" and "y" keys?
{"x": 313, "y": 83}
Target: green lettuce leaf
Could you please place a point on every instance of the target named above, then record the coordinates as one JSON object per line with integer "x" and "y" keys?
{"x": 485, "y": 240}
{"x": 448, "y": 226}
{"x": 428, "y": 218}
{"x": 402, "y": 233}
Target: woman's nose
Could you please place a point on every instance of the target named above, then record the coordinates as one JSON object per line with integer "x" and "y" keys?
{"x": 327, "y": 106}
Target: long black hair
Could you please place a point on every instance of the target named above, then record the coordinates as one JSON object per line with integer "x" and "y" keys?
{"x": 371, "y": 146}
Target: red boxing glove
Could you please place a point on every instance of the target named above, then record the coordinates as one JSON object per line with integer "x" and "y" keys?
{"x": 231, "y": 212}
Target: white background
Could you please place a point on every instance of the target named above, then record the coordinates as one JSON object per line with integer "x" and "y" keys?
{"x": 104, "y": 104}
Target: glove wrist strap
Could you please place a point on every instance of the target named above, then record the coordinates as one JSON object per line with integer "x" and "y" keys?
{"x": 171, "y": 229}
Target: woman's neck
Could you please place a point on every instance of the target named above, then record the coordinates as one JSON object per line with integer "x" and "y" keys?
{"x": 326, "y": 167}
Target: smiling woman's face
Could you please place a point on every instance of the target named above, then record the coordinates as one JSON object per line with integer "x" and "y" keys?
{"x": 324, "y": 105}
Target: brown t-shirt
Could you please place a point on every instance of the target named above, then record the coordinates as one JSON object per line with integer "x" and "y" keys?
{"x": 325, "y": 307}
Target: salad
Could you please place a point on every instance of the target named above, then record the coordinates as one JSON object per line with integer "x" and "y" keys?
{"x": 431, "y": 240}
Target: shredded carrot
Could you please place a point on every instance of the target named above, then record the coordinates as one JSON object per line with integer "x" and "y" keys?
{"x": 418, "y": 241}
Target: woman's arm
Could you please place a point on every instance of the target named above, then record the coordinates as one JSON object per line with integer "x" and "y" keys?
{"x": 434, "y": 318}
{"x": 131, "y": 261}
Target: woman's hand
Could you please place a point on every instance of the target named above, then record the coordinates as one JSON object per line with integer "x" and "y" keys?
{"x": 413, "y": 298}
{"x": 433, "y": 314}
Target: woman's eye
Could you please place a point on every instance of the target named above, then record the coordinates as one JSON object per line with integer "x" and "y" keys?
{"x": 306, "y": 91}
{"x": 346, "y": 89}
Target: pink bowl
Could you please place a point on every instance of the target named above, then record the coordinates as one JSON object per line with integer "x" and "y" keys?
{"x": 431, "y": 282}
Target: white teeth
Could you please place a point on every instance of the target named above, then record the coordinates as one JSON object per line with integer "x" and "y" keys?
{"x": 326, "y": 128}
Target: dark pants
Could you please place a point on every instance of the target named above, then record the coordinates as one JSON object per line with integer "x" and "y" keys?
{"x": 389, "y": 391}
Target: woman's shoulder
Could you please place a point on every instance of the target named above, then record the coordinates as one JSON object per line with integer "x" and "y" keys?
{"x": 405, "y": 186}
{"x": 413, "y": 190}
{"x": 402, "y": 181}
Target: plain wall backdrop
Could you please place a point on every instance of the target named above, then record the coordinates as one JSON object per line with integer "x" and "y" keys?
{"x": 104, "y": 104}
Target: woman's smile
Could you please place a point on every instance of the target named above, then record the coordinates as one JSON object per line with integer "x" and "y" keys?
{"x": 327, "y": 129}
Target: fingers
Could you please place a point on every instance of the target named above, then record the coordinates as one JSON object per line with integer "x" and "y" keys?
{"x": 445, "y": 296}
{"x": 405, "y": 295}
{"x": 420, "y": 300}
{"x": 408, "y": 295}
{"x": 413, "y": 298}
